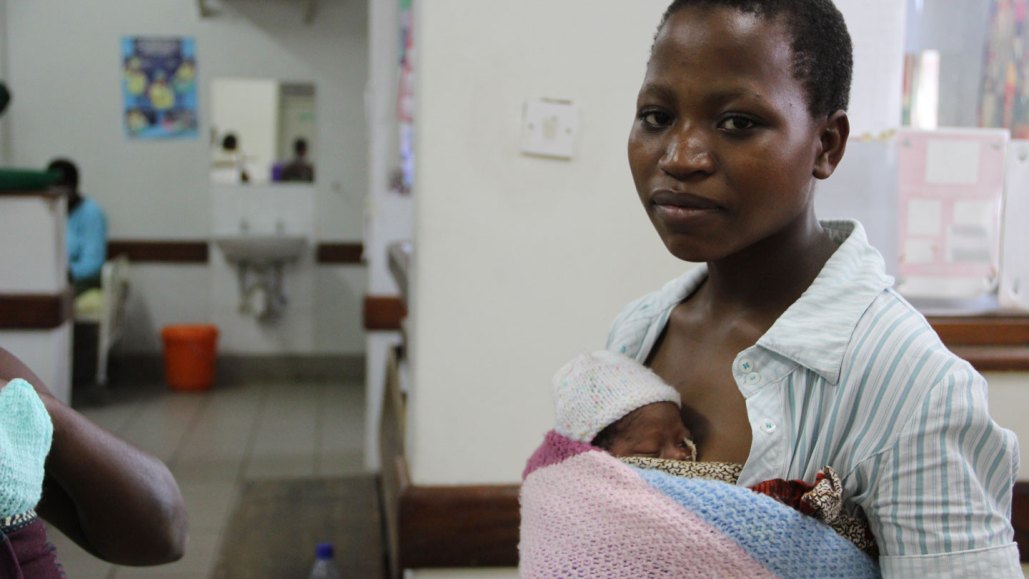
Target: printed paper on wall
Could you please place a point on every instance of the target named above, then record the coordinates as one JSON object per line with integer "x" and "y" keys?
{"x": 951, "y": 184}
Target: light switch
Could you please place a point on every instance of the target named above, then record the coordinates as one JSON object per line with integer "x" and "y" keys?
{"x": 549, "y": 127}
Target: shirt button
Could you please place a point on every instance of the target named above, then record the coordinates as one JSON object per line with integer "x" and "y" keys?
{"x": 752, "y": 378}
{"x": 745, "y": 365}
{"x": 768, "y": 426}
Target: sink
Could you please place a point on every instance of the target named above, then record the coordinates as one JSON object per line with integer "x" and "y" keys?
{"x": 257, "y": 248}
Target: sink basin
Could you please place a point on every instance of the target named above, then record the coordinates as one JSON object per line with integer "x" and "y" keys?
{"x": 261, "y": 248}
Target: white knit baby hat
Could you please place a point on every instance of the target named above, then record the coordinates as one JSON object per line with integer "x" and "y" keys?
{"x": 594, "y": 390}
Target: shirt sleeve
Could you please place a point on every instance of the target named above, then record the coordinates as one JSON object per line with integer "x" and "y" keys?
{"x": 87, "y": 259}
{"x": 939, "y": 499}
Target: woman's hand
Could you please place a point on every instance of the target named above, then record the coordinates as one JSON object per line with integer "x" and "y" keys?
{"x": 116, "y": 501}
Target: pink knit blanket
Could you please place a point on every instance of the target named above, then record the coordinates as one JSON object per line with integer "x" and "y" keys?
{"x": 587, "y": 514}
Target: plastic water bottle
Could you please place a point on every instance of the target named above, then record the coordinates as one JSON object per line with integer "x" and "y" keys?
{"x": 324, "y": 563}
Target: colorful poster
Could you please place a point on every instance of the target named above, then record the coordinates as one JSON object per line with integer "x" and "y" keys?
{"x": 159, "y": 87}
{"x": 405, "y": 98}
{"x": 1004, "y": 101}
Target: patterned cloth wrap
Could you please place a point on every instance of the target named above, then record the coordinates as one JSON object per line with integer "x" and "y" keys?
{"x": 822, "y": 500}
{"x": 587, "y": 514}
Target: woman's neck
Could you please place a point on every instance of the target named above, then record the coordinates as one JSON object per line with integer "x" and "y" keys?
{"x": 766, "y": 278}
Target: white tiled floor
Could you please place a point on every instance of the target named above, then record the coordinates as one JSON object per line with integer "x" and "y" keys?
{"x": 213, "y": 441}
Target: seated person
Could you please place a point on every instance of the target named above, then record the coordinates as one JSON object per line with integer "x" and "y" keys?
{"x": 615, "y": 403}
{"x": 87, "y": 229}
{"x": 298, "y": 169}
{"x": 117, "y": 502}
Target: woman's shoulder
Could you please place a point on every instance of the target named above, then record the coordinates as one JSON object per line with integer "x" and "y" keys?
{"x": 896, "y": 361}
{"x": 637, "y": 320}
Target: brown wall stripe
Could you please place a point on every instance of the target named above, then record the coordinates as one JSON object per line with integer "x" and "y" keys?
{"x": 458, "y": 526}
{"x": 439, "y": 526}
{"x": 1020, "y": 517}
{"x": 159, "y": 251}
{"x": 35, "y": 311}
{"x": 197, "y": 251}
{"x": 983, "y": 330}
{"x": 383, "y": 312}
{"x": 339, "y": 252}
{"x": 30, "y": 193}
{"x": 989, "y": 343}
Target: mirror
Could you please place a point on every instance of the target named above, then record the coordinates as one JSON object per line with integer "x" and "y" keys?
{"x": 262, "y": 131}
{"x": 965, "y": 65}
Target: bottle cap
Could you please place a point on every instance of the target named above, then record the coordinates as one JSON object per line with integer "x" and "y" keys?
{"x": 323, "y": 551}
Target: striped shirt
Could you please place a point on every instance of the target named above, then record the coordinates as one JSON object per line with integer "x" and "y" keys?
{"x": 852, "y": 376}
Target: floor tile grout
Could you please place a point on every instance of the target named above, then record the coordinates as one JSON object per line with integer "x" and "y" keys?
{"x": 305, "y": 403}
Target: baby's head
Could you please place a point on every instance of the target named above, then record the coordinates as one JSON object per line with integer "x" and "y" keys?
{"x": 613, "y": 402}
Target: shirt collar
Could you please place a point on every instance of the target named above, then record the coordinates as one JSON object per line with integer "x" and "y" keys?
{"x": 815, "y": 331}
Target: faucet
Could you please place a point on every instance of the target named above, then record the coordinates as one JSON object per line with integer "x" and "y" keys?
{"x": 244, "y": 225}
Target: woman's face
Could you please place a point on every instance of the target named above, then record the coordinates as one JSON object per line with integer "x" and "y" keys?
{"x": 723, "y": 149}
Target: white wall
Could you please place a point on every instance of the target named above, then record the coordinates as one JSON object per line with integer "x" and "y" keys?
{"x": 520, "y": 262}
{"x": 249, "y": 109}
{"x": 35, "y": 262}
{"x": 958, "y": 31}
{"x": 4, "y": 140}
{"x": 1009, "y": 399}
{"x": 388, "y": 214}
{"x": 877, "y": 29}
{"x": 63, "y": 64}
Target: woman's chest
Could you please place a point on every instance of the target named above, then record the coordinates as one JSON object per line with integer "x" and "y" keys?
{"x": 700, "y": 367}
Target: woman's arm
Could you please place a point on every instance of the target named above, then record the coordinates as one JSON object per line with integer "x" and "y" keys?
{"x": 939, "y": 499}
{"x": 113, "y": 499}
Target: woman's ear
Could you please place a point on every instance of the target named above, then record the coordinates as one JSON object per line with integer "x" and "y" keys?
{"x": 835, "y": 132}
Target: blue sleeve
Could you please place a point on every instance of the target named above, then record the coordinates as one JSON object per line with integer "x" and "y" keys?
{"x": 90, "y": 237}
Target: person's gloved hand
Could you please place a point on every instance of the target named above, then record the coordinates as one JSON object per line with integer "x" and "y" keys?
{"x": 25, "y": 436}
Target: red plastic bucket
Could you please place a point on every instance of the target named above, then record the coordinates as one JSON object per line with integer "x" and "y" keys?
{"x": 189, "y": 355}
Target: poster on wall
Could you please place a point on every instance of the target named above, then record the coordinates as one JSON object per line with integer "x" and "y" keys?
{"x": 951, "y": 184}
{"x": 1004, "y": 97}
{"x": 405, "y": 99}
{"x": 159, "y": 87}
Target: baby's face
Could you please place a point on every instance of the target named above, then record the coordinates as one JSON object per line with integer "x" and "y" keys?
{"x": 655, "y": 430}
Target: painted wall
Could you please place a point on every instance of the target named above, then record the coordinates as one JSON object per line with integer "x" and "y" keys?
{"x": 3, "y": 75}
{"x": 388, "y": 214}
{"x": 958, "y": 31}
{"x": 521, "y": 261}
{"x": 32, "y": 237}
{"x": 62, "y": 61}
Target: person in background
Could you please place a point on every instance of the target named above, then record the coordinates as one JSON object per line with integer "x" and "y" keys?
{"x": 87, "y": 229}
{"x": 299, "y": 169}
{"x": 117, "y": 502}
{"x": 229, "y": 165}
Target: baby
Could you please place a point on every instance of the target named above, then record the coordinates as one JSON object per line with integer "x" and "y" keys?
{"x": 617, "y": 404}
